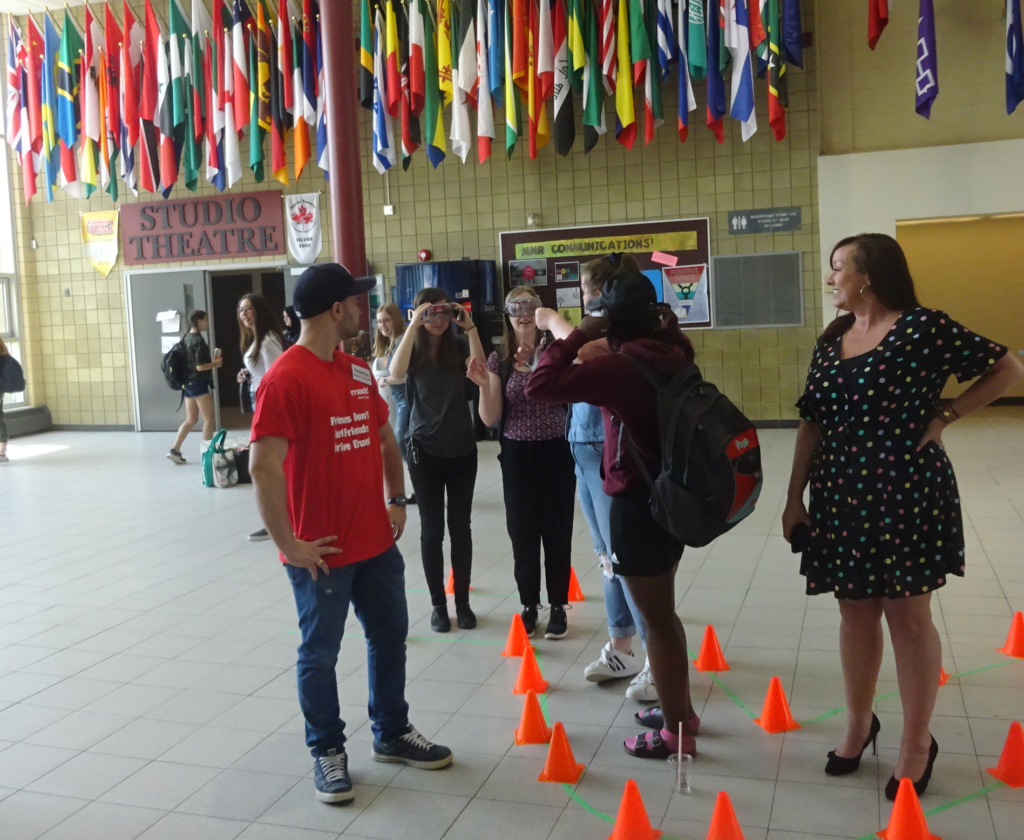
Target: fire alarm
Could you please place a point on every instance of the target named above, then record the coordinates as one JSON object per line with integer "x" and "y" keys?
{"x": 424, "y": 255}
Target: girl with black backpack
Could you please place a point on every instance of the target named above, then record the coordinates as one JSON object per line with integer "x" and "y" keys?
{"x": 199, "y": 385}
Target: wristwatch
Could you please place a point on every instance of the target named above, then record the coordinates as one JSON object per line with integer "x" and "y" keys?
{"x": 398, "y": 501}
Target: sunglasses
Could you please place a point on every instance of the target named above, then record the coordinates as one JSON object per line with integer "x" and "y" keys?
{"x": 522, "y": 306}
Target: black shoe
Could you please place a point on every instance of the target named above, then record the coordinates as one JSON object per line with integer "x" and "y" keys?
{"x": 330, "y": 775}
{"x": 465, "y": 617}
{"x": 920, "y": 786}
{"x": 439, "y": 621}
{"x": 558, "y": 624}
{"x": 839, "y": 766}
{"x": 529, "y": 617}
{"x": 412, "y": 749}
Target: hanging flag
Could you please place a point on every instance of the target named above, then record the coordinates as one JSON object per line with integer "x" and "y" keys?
{"x": 213, "y": 122}
{"x": 565, "y": 120}
{"x": 758, "y": 37}
{"x": 300, "y": 134}
{"x": 927, "y": 82}
{"x": 108, "y": 178}
{"x": 48, "y": 94}
{"x": 538, "y": 132}
{"x": 608, "y": 54}
{"x": 444, "y": 49}
{"x": 878, "y": 19}
{"x": 278, "y": 132}
{"x": 391, "y": 60}
{"x": 26, "y": 157}
{"x": 653, "y": 73}
{"x": 99, "y": 239}
{"x": 665, "y": 36}
{"x": 257, "y": 134}
{"x": 685, "y": 100}
{"x": 33, "y": 67}
{"x": 168, "y": 154}
{"x": 365, "y": 56}
{"x": 593, "y": 81}
{"x": 576, "y": 43}
{"x": 432, "y": 95}
{"x": 310, "y": 84}
{"x": 485, "y": 105}
{"x": 792, "y": 33}
{"x": 410, "y": 125}
{"x": 625, "y": 118}
{"x": 128, "y": 97}
{"x": 201, "y": 24}
{"x": 417, "y": 43}
{"x": 69, "y": 65}
{"x": 148, "y": 162}
{"x": 715, "y": 83}
{"x": 464, "y": 78}
{"x": 285, "y": 60}
{"x": 1014, "y": 56}
{"x": 518, "y": 34}
{"x": 696, "y": 39}
{"x": 305, "y": 238}
{"x": 241, "y": 18}
{"x": 546, "y": 52}
{"x": 737, "y": 41}
{"x": 513, "y": 114}
{"x": 383, "y": 135}
{"x": 261, "y": 85}
{"x": 496, "y": 46}
{"x": 778, "y": 96}
{"x": 639, "y": 43}
{"x": 15, "y": 47}
{"x": 89, "y": 105}
{"x": 188, "y": 104}
{"x": 112, "y": 38}
{"x": 323, "y": 153}
{"x": 231, "y": 156}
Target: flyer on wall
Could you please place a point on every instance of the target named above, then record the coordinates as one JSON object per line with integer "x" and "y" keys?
{"x": 685, "y": 289}
{"x": 528, "y": 272}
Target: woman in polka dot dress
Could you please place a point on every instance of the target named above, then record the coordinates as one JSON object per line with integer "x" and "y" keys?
{"x": 885, "y": 523}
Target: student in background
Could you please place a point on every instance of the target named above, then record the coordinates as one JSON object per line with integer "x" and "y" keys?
{"x": 261, "y": 341}
{"x": 199, "y": 387}
{"x": 440, "y": 444}
{"x": 5, "y": 358}
{"x": 292, "y": 327}
{"x": 390, "y": 329}
{"x": 536, "y": 465}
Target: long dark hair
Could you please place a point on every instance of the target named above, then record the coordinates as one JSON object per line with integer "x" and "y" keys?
{"x": 294, "y": 327}
{"x": 448, "y": 355}
{"x": 881, "y": 258}
{"x": 194, "y": 317}
{"x": 267, "y": 323}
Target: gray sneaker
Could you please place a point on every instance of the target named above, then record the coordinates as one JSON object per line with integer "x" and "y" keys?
{"x": 175, "y": 457}
{"x": 412, "y": 749}
{"x": 330, "y": 774}
{"x": 259, "y": 536}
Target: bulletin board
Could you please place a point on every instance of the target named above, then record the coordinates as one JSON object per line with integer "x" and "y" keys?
{"x": 674, "y": 255}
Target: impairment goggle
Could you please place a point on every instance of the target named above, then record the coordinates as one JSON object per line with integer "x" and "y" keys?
{"x": 439, "y": 312}
{"x": 522, "y": 306}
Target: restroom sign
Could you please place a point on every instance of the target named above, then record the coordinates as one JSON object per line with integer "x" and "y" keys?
{"x": 771, "y": 220}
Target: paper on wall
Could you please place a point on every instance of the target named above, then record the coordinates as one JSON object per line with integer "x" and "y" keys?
{"x": 167, "y": 342}
{"x": 567, "y": 297}
{"x": 170, "y": 321}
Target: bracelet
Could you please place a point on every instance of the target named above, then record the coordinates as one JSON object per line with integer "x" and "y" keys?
{"x": 470, "y": 329}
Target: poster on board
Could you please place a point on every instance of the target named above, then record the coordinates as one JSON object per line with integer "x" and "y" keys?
{"x": 685, "y": 289}
{"x": 567, "y": 272}
{"x": 528, "y": 272}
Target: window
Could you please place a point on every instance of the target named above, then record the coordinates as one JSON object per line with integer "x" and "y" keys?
{"x": 759, "y": 290}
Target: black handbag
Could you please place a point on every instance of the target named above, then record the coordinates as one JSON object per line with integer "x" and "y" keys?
{"x": 245, "y": 397}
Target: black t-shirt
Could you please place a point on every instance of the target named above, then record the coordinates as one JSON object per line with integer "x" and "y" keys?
{"x": 198, "y": 354}
{"x": 440, "y": 414}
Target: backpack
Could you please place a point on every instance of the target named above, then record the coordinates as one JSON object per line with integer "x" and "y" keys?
{"x": 710, "y": 458}
{"x": 176, "y": 367}
{"x": 12, "y": 377}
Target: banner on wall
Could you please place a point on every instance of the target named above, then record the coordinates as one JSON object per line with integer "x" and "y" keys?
{"x": 99, "y": 239}
{"x": 685, "y": 289}
{"x": 305, "y": 236}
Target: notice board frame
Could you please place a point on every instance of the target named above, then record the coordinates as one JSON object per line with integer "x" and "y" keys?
{"x": 640, "y": 239}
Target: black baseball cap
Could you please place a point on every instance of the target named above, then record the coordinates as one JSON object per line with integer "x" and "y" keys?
{"x": 321, "y": 286}
{"x": 627, "y": 296}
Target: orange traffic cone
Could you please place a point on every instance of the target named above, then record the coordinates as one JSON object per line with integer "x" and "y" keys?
{"x": 530, "y": 677}
{"x": 1015, "y": 640}
{"x": 943, "y": 676}
{"x": 575, "y": 593}
{"x": 907, "y": 821}
{"x": 517, "y": 640}
{"x": 775, "y": 716}
{"x": 561, "y": 765}
{"x": 449, "y": 587}
{"x": 1011, "y": 762}
{"x": 711, "y": 657}
{"x": 632, "y": 822}
{"x": 724, "y": 825}
{"x": 532, "y": 728}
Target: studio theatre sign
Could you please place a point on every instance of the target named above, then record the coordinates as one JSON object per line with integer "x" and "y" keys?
{"x": 246, "y": 225}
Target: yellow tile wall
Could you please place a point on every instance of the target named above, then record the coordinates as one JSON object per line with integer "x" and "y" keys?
{"x": 77, "y": 347}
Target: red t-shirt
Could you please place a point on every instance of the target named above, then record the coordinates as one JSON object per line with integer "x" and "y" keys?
{"x": 331, "y": 414}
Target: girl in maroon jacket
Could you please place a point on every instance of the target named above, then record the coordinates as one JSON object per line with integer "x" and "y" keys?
{"x": 643, "y": 553}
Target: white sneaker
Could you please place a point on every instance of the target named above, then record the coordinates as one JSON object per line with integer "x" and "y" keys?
{"x": 612, "y": 664}
{"x": 642, "y": 688}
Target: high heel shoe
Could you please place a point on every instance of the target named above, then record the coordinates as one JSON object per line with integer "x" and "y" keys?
{"x": 893, "y": 785}
{"x": 839, "y": 766}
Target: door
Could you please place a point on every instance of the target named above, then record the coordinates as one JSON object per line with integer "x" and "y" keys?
{"x": 226, "y": 291}
{"x": 149, "y": 294}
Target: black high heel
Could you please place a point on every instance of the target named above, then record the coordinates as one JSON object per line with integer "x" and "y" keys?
{"x": 839, "y": 766}
{"x": 920, "y": 786}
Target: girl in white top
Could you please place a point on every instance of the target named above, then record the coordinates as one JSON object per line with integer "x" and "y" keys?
{"x": 261, "y": 341}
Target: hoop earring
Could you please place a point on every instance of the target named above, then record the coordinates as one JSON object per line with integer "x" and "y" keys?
{"x": 862, "y": 288}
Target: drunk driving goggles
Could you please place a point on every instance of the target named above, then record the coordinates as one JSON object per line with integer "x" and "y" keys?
{"x": 522, "y": 306}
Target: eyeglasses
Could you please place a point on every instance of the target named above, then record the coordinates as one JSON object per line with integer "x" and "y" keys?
{"x": 522, "y": 306}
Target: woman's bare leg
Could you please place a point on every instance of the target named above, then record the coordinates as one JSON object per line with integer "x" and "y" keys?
{"x": 860, "y": 649}
{"x": 191, "y": 418}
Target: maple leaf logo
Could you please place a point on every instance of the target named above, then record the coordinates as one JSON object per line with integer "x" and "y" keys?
{"x": 303, "y": 214}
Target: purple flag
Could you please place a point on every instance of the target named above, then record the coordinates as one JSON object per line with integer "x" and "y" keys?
{"x": 927, "y": 65}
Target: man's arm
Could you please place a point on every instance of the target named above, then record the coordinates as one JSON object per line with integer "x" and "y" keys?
{"x": 394, "y": 477}
{"x": 266, "y": 466}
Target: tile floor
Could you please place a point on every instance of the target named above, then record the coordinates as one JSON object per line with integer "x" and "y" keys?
{"x": 147, "y": 682}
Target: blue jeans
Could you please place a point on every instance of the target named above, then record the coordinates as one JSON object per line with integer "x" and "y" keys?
{"x": 376, "y": 589}
{"x": 624, "y": 618}
{"x": 401, "y": 419}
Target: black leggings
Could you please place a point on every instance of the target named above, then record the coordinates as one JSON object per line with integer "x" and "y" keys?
{"x": 539, "y": 479}
{"x": 431, "y": 478}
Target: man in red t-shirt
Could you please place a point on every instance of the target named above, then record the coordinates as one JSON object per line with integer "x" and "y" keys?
{"x": 323, "y": 460}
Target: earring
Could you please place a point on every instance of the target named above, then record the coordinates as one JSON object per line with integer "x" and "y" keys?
{"x": 862, "y": 288}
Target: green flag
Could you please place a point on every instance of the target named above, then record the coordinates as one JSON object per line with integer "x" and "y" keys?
{"x": 696, "y": 40}
{"x": 639, "y": 43}
{"x": 257, "y": 133}
{"x": 577, "y": 42}
{"x": 433, "y": 120}
{"x": 513, "y": 113}
{"x": 593, "y": 87}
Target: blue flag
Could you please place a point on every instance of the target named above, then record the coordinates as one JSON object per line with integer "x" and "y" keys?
{"x": 48, "y": 94}
{"x": 927, "y": 67}
{"x": 792, "y": 33}
{"x": 715, "y": 83}
{"x": 1014, "y": 56}
{"x": 496, "y": 46}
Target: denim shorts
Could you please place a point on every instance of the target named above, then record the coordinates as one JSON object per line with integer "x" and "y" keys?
{"x": 197, "y": 388}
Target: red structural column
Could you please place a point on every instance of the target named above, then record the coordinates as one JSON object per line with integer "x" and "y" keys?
{"x": 346, "y": 179}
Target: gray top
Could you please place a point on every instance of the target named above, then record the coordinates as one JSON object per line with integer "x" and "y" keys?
{"x": 440, "y": 416}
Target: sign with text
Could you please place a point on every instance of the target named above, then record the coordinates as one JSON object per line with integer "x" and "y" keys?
{"x": 771, "y": 220}
{"x": 245, "y": 225}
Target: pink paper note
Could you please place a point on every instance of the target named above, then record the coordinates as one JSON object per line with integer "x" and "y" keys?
{"x": 664, "y": 259}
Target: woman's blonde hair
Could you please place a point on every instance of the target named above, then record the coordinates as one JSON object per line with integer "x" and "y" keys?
{"x": 382, "y": 345}
{"x": 508, "y": 338}
{"x": 596, "y": 273}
